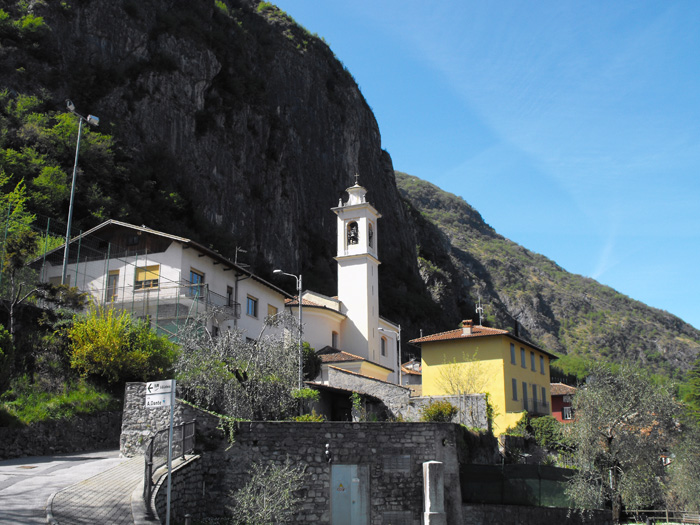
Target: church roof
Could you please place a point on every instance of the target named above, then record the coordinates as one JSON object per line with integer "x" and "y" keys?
{"x": 332, "y": 355}
{"x": 304, "y": 302}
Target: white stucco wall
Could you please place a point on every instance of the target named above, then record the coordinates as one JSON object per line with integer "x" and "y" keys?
{"x": 174, "y": 275}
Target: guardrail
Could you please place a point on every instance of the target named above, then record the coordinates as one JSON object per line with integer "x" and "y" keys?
{"x": 660, "y": 516}
{"x": 156, "y": 454}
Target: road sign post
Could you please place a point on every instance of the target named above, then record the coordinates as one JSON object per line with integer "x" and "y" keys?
{"x": 162, "y": 394}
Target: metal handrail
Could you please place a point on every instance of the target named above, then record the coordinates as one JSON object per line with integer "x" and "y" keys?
{"x": 156, "y": 454}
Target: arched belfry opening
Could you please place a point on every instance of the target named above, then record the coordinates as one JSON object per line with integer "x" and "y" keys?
{"x": 353, "y": 233}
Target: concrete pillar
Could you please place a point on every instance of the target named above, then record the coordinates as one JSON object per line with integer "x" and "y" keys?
{"x": 434, "y": 493}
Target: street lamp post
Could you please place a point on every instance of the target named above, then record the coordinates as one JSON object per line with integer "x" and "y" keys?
{"x": 94, "y": 121}
{"x": 398, "y": 342}
{"x": 301, "y": 352}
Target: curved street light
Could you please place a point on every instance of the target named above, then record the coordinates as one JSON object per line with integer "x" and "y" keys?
{"x": 301, "y": 351}
{"x": 93, "y": 121}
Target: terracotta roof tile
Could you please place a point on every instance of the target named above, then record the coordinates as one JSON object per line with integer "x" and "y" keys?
{"x": 560, "y": 389}
{"x": 340, "y": 357}
{"x": 304, "y": 302}
{"x": 477, "y": 331}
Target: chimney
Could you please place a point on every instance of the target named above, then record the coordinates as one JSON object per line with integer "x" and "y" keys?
{"x": 467, "y": 327}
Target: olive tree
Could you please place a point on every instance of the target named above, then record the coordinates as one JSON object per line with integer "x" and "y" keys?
{"x": 238, "y": 376}
{"x": 624, "y": 422}
{"x": 683, "y": 472}
{"x": 272, "y": 494}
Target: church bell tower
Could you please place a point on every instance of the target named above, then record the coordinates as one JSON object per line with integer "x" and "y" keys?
{"x": 358, "y": 265}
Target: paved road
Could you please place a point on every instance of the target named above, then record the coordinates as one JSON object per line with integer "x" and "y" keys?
{"x": 27, "y": 483}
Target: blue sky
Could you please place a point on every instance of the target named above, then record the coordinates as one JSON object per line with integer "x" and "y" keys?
{"x": 572, "y": 127}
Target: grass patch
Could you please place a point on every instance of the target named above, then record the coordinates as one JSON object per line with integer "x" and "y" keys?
{"x": 27, "y": 403}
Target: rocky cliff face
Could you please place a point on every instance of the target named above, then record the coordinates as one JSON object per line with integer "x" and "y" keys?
{"x": 252, "y": 116}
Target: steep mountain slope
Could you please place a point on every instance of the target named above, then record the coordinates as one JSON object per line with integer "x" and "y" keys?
{"x": 226, "y": 122}
{"x": 563, "y": 312}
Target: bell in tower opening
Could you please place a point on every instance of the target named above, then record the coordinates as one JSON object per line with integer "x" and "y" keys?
{"x": 353, "y": 233}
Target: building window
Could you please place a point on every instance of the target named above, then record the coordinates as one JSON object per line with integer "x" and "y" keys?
{"x": 353, "y": 233}
{"x": 196, "y": 283}
{"x": 515, "y": 389}
{"x": 271, "y": 310}
{"x": 544, "y": 396}
{"x": 229, "y": 296}
{"x": 334, "y": 340}
{"x": 532, "y": 361}
{"x": 525, "y": 407}
{"x": 147, "y": 277}
{"x": 251, "y": 306}
{"x": 214, "y": 331}
{"x": 112, "y": 285}
{"x": 534, "y": 397}
{"x": 541, "y": 365}
{"x": 522, "y": 357}
{"x": 567, "y": 413}
{"x": 132, "y": 240}
{"x": 512, "y": 354}
{"x": 383, "y": 346}
{"x": 370, "y": 235}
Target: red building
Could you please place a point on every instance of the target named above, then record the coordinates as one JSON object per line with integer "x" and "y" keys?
{"x": 561, "y": 401}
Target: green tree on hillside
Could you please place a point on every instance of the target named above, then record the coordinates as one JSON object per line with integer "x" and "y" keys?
{"x": 692, "y": 392}
{"x": 623, "y": 424}
{"x": 19, "y": 243}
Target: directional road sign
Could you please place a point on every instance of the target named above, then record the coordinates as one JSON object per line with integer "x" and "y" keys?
{"x": 159, "y": 393}
{"x": 159, "y": 387}
{"x": 158, "y": 400}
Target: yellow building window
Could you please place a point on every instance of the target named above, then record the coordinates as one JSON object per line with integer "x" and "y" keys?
{"x": 271, "y": 310}
{"x": 112, "y": 285}
{"x": 147, "y": 277}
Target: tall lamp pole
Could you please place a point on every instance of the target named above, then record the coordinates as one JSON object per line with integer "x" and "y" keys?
{"x": 94, "y": 121}
{"x": 301, "y": 351}
{"x": 398, "y": 342}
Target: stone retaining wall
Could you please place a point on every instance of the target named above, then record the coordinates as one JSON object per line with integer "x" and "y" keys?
{"x": 140, "y": 423}
{"x": 488, "y": 514}
{"x": 185, "y": 492}
{"x": 81, "y": 433}
{"x": 399, "y": 401}
{"x": 394, "y": 453}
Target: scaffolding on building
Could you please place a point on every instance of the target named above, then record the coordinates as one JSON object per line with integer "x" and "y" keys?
{"x": 165, "y": 303}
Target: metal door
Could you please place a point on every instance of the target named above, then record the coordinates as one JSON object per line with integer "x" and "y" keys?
{"x": 349, "y": 495}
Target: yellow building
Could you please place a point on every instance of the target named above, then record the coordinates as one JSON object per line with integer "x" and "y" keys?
{"x": 515, "y": 373}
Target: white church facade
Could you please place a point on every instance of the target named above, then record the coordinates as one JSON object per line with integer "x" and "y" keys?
{"x": 347, "y": 331}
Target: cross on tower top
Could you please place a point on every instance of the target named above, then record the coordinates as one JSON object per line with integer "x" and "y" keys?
{"x": 357, "y": 179}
